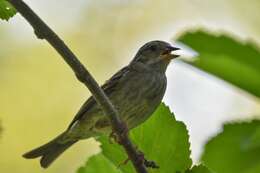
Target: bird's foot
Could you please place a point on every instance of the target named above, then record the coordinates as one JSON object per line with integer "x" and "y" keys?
{"x": 123, "y": 163}
{"x": 141, "y": 158}
{"x": 150, "y": 164}
{"x": 147, "y": 163}
{"x": 123, "y": 131}
{"x": 112, "y": 137}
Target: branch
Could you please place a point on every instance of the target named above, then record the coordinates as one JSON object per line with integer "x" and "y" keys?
{"x": 43, "y": 31}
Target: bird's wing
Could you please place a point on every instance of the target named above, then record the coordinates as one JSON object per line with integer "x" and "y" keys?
{"x": 109, "y": 86}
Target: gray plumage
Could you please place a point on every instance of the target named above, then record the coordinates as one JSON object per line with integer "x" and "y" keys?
{"x": 135, "y": 91}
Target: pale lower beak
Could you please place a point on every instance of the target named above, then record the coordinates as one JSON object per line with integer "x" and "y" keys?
{"x": 168, "y": 55}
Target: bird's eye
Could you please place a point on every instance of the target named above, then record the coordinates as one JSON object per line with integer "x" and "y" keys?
{"x": 153, "y": 48}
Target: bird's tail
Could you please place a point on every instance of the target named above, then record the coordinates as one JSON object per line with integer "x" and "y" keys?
{"x": 50, "y": 151}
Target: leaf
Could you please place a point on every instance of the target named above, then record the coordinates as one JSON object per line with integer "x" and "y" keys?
{"x": 161, "y": 138}
{"x": 6, "y": 10}
{"x": 254, "y": 140}
{"x": 227, "y": 58}
{"x": 228, "y": 152}
{"x": 98, "y": 164}
{"x": 199, "y": 169}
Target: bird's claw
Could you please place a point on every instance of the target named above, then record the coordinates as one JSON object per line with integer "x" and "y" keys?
{"x": 147, "y": 163}
{"x": 143, "y": 160}
{"x": 114, "y": 135}
{"x": 123, "y": 163}
{"x": 150, "y": 164}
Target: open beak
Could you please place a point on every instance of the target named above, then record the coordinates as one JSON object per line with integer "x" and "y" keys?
{"x": 168, "y": 55}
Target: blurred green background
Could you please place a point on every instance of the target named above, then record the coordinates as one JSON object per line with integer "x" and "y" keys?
{"x": 40, "y": 95}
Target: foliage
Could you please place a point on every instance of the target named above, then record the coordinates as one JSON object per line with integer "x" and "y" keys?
{"x": 235, "y": 150}
{"x": 199, "y": 169}
{"x": 223, "y": 56}
{"x": 162, "y": 139}
{"x": 99, "y": 163}
{"x": 6, "y": 10}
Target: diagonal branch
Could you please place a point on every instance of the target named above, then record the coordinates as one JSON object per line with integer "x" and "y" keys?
{"x": 43, "y": 31}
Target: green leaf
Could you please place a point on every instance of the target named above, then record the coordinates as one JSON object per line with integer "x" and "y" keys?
{"x": 98, "y": 164}
{"x": 227, "y": 58}
{"x": 229, "y": 151}
{"x": 6, "y": 10}
{"x": 161, "y": 138}
{"x": 254, "y": 140}
{"x": 115, "y": 154}
{"x": 199, "y": 169}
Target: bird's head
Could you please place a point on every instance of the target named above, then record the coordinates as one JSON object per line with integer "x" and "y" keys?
{"x": 156, "y": 54}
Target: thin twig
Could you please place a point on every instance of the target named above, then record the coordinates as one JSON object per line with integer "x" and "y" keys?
{"x": 43, "y": 31}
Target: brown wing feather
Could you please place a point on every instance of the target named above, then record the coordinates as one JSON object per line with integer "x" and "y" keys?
{"x": 108, "y": 87}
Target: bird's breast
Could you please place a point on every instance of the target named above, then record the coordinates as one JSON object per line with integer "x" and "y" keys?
{"x": 139, "y": 97}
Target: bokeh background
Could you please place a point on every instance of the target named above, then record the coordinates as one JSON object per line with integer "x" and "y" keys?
{"x": 40, "y": 95}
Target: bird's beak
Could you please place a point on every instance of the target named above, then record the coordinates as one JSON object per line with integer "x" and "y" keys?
{"x": 167, "y": 55}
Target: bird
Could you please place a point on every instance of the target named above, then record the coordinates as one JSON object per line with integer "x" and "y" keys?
{"x": 135, "y": 91}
